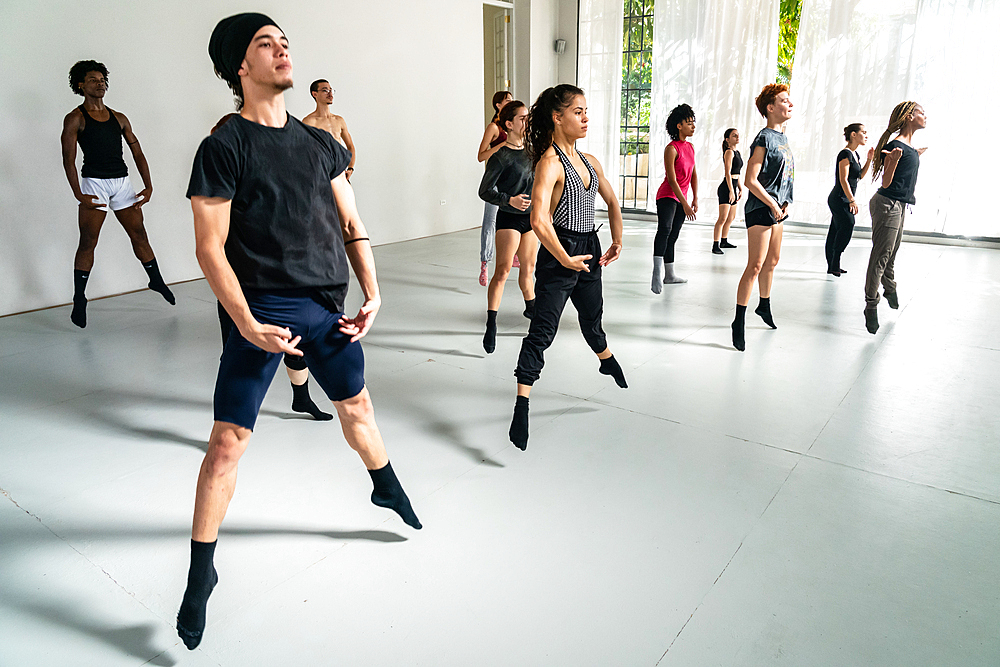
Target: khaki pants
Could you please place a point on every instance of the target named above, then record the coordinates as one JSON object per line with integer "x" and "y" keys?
{"x": 887, "y": 232}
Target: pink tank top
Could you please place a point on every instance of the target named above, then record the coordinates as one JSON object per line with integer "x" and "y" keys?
{"x": 683, "y": 168}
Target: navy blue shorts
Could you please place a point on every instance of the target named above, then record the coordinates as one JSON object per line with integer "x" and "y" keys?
{"x": 246, "y": 371}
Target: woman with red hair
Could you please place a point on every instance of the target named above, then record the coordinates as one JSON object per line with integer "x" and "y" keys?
{"x": 770, "y": 172}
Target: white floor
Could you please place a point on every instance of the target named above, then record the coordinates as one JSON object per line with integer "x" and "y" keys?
{"x": 827, "y": 497}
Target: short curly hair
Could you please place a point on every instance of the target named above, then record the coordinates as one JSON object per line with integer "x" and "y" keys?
{"x": 678, "y": 115}
{"x": 768, "y": 95}
{"x": 79, "y": 71}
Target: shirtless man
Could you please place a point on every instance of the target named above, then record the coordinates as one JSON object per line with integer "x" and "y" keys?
{"x": 322, "y": 92}
{"x": 105, "y": 183}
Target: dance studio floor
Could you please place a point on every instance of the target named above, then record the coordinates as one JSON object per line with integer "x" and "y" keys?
{"x": 827, "y": 497}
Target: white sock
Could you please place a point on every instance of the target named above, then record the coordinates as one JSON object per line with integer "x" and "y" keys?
{"x": 657, "y": 284}
{"x": 668, "y": 275}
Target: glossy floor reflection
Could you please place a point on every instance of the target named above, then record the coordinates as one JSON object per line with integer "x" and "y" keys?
{"x": 827, "y": 497}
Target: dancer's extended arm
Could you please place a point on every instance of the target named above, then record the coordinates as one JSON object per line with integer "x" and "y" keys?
{"x": 491, "y": 133}
{"x": 614, "y": 214}
{"x": 211, "y": 228}
{"x": 359, "y": 252}
{"x": 727, "y": 161}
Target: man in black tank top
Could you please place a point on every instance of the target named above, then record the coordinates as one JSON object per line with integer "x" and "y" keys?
{"x": 105, "y": 183}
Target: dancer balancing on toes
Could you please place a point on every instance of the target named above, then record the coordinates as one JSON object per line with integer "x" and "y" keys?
{"x": 493, "y": 138}
{"x": 266, "y": 187}
{"x": 843, "y": 208}
{"x": 897, "y": 161}
{"x": 570, "y": 261}
{"x": 324, "y": 119}
{"x": 671, "y": 199}
{"x": 729, "y": 191}
{"x": 104, "y": 183}
{"x": 295, "y": 366}
{"x": 770, "y": 172}
{"x": 507, "y": 184}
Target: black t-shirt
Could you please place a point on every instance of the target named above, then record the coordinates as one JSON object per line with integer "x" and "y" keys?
{"x": 284, "y": 230}
{"x": 904, "y": 179}
{"x": 853, "y": 173}
{"x": 508, "y": 174}
{"x": 777, "y": 171}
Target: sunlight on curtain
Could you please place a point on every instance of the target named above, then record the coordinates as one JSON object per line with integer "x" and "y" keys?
{"x": 714, "y": 55}
{"x": 600, "y": 76}
{"x": 856, "y": 59}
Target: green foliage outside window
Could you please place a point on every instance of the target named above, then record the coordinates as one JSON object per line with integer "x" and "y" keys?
{"x": 637, "y": 76}
{"x": 788, "y": 24}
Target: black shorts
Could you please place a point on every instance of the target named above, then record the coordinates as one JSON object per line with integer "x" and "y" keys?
{"x": 724, "y": 191}
{"x": 762, "y": 217}
{"x": 519, "y": 222}
{"x": 246, "y": 371}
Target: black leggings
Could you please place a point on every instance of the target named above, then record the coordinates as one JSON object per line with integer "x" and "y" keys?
{"x": 841, "y": 229}
{"x": 227, "y": 325}
{"x": 669, "y": 218}
{"x": 554, "y": 284}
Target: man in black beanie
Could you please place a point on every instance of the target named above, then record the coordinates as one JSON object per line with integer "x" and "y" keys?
{"x": 275, "y": 226}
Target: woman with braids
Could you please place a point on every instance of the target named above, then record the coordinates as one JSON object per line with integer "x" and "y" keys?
{"x": 843, "y": 208}
{"x": 770, "y": 172}
{"x": 570, "y": 261}
{"x": 672, "y": 206}
{"x": 493, "y": 139}
{"x": 897, "y": 161}
{"x": 507, "y": 184}
{"x": 729, "y": 191}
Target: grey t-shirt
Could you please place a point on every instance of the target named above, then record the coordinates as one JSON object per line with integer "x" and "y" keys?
{"x": 776, "y": 172}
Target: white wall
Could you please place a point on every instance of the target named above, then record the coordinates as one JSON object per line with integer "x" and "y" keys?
{"x": 404, "y": 78}
{"x": 537, "y": 25}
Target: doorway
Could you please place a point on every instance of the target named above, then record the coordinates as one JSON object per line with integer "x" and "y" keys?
{"x": 497, "y": 51}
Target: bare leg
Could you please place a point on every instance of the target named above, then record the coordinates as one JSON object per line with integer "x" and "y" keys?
{"x": 758, "y": 238}
{"x": 718, "y": 232}
{"x": 766, "y": 276}
{"x": 217, "y": 479}
{"x": 357, "y": 419}
{"x": 91, "y": 221}
{"x": 729, "y": 221}
{"x": 298, "y": 378}
{"x": 131, "y": 219}
{"x": 527, "y": 250}
{"x": 506, "y": 245}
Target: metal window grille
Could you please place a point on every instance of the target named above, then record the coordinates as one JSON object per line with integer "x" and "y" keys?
{"x": 637, "y": 84}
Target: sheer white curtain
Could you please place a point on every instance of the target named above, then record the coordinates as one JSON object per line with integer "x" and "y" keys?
{"x": 856, "y": 59}
{"x": 715, "y": 55}
{"x": 600, "y": 76}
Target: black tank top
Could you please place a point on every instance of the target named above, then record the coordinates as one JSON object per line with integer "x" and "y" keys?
{"x": 737, "y": 164}
{"x": 102, "y": 147}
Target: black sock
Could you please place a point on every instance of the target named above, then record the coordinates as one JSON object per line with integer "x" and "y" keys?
{"x": 156, "y": 281}
{"x": 490, "y": 337}
{"x": 764, "y": 310}
{"x": 519, "y": 424}
{"x": 302, "y": 402}
{"x": 202, "y": 578}
{"x": 389, "y": 494}
{"x": 725, "y": 243}
{"x": 715, "y": 248}
{"x": 79, "y": 314}
{"x": 610, "y": 367}
{"x": 871, "y": 320}
{"x": 739, "y": 342}
{"x": 529, "y": 308}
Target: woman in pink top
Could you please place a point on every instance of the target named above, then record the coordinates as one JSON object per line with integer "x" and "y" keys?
{"x": 671, "y": 199}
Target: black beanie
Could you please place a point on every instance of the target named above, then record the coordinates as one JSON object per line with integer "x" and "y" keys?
{"x": 230, "y": 40}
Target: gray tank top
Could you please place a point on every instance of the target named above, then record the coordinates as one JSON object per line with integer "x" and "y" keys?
{"x": 575, "y": 210}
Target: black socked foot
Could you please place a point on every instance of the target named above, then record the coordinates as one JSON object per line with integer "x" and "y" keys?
{"x": 519, "y": 424}
{"x": 79, "y": 314}
{"x": 716, "y": 250}
{"x": 871, "y": 320}
{"x": 892, "y": 299}
{"x": 610, "y": 366}
{"x": 164, "y": 291}
{"x": 739, "y": 342}
{"x": 529, "y": 309}
{"x": 302, "y": 402}
{"x": 388, "y": 493}
{"x": 490, "y": 337}
{"x": 764, "y": 310}
{"x": 724, "y": 243}
{"x": 191, "y": 617}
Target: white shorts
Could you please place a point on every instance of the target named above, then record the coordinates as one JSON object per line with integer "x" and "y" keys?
{"x": 115, "y": 193}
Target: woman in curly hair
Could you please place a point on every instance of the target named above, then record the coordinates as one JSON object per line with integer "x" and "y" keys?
{"x": 672, "y": 206}
{"x": 570, "y": 262}
{"x": 770, "y": 172}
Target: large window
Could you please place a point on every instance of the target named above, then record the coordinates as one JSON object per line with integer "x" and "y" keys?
{"x": 637, "y": 83}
